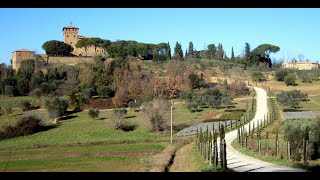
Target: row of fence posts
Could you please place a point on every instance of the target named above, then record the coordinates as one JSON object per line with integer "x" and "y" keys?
{"x": 206, "y": 141}
{"x": 243, "y": 135}
{"x": 207, "y": 144}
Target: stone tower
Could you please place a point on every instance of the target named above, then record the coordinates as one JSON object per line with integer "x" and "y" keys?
{"x": 70, "y": 35}
{"x": 20, "y": 55}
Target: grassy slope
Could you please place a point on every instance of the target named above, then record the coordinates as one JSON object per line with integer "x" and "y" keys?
{"x": 115, "y": 157}
{"x": 84, "y": 139}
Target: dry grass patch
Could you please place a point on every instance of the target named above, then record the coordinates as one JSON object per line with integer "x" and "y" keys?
{"x": 160, "y": 162}
{"x": 184, "y": 160}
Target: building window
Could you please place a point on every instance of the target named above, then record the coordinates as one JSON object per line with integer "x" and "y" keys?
{"x": 67, "y": 35}
{"x": 70, "y": 42}
{"x": 74, "y": 36}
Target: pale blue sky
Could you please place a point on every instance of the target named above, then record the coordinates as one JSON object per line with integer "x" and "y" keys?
{"x": 295, "y": 31}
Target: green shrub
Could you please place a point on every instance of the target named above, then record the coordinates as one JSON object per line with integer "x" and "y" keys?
{"x": 24, "y": 105}
{"x": 89, "y": 92}
{"x": 134, "y": 106}
{"x": 226, "y": 100}
{"x": 306, "y": 77}
{"x": 28, "y": 124}
{"x": 56, "y": 107}
{"x": 7, "y": 108}
{"x": 297, "y": 130}
{"x": 9, "y": 90}
{"x": 281, "y": 74}
{"x": 94, "y": 113}
{"x": 290, "y": 79}
{"x": 291, "y": 98}
{"x": 78, "y": 100}
{"x": 193, "y": 107}
{"x": 47, "y": 88}
{"x": 196, "y": 81}
{"x": 36, "y": 93}
{"x": 105, "y": 91}
{"x": 118, "y": 118}
{"x": 258, "y": 76}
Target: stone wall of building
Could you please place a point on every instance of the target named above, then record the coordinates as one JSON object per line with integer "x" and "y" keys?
{"x": 18, "y": 56}
{"x": 70, "y": 60}
{"x": 300, "y": 65}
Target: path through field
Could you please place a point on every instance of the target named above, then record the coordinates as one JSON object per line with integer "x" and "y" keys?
{"x": 243, "y": 163}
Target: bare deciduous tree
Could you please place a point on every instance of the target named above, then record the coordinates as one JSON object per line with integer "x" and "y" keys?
{"x": 157, "y": 111}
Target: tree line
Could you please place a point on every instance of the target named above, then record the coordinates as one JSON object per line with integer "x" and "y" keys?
{"x": 162, "y": 51}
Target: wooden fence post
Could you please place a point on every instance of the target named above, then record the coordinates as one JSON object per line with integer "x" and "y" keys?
{"x": 249, "y": 128}
{"x": 277, "y": 150}
{"x": 267, "y": 138}
{"x": 243, "y": 136}
{"x": 216, "y": 155}
{"x": 259, "y": 142}
{"x": 225, "y": 125}
{"x": 246, "y": 138}
{"x": 197, "y": 136}
{"x": 277, "y": 143}
{"x": 288, "y": 150}
{"x": 305, "y": 152}
{"x": 224, "y": 153}
{"x": 221, "y": 153}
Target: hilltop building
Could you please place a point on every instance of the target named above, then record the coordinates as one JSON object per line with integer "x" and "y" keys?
{"x": 71, "y": 37}
{"x": 20, "y": 55}
{"x": 300, "y": 65}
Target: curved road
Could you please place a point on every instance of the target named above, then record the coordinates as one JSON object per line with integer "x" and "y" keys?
{"x": 242, "y": 163}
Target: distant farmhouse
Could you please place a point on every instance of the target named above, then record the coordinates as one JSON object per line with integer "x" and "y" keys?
{"x": 71, "y": 37}
{"x": 300, "y": 65}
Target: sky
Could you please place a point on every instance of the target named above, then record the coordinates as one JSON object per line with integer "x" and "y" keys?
{"x": 295, "y": 30}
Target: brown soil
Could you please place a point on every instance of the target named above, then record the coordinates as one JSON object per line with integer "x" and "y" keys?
{"x": 100, "y": 103}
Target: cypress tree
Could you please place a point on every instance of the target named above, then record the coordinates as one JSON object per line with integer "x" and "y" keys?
{"x": 178, "y": 54}
{"x": 168, "y": 51}
{"x": 220, "y": 52}
{"x": 190, "y": 50}
{"x": 247, "y": 53}
{"x": 232, "y": 55}
{"x": 186, "y": 54}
